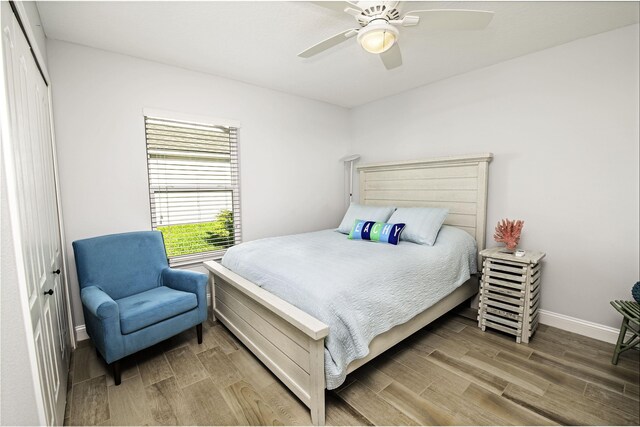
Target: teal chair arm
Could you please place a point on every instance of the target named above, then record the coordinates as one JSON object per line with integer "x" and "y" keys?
{"x": 102, "y": 319}
{"x": 98, "y": 303}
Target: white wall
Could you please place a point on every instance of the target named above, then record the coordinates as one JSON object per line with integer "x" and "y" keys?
{"x": 291, "y": 179}
{"x": 563, "y": 127}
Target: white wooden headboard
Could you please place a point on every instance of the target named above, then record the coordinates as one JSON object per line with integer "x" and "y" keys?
{"x": 458, "y": 183}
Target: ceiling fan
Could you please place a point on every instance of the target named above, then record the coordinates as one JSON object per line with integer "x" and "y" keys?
{"x": 378, "y": 21}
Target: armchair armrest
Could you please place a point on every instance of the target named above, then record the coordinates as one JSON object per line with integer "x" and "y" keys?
{"x": 188, "y": 281}
{"x": 102, "y": 318}
{"x": 98, "y": 303}
{"x": 184, "y": 280}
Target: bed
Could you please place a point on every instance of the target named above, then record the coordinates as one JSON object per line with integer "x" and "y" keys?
{"x": 291, "y": 341}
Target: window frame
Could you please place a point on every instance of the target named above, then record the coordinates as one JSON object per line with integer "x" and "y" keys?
{"x": 198, "y": 257}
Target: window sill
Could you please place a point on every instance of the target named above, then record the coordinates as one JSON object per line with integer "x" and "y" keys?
{"x": 194, "y": 261}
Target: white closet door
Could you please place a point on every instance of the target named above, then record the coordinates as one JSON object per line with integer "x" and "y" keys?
{"x": 30, "y": 154}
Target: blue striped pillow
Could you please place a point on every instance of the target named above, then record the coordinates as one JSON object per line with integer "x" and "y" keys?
{"x": 376, "y": 231}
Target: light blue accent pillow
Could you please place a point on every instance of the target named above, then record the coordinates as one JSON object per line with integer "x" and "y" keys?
{"x": 372, "y": 213}
{"x": 422, "y": 224}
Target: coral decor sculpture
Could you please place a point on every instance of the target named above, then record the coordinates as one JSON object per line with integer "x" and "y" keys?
{"x": 508, "y": 232}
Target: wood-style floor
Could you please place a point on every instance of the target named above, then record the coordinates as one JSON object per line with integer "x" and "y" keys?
{"x": 449, "y": 373}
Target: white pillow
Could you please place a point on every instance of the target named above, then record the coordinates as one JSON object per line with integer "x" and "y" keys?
{"x": 422, "y": 224}
{"x": 365, "y": 213}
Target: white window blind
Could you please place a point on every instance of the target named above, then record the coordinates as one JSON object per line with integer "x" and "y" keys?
{"x": 193, "y": 188}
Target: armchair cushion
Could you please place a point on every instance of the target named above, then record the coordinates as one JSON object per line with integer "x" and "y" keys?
{"x": 155, "y": 305}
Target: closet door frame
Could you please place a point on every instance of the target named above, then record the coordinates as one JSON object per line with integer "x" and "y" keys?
{"x": 13, "y": 199}
{"x": 43, "y": 67}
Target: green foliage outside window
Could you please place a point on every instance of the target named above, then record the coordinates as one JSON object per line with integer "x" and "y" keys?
{"x": 187, "y": 239}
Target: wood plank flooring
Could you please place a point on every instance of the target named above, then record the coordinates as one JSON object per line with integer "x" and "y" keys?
{"x": 450, "y": 373}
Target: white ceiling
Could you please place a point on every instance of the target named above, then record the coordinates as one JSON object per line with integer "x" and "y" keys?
{"x": 257, "y": 42}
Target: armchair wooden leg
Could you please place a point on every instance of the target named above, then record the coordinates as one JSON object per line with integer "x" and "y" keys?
{"x": 199, "y": 332}
{"x": 117, "y": 372}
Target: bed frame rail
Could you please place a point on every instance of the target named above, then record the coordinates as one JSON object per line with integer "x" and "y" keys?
{"x": 393, "y": 336}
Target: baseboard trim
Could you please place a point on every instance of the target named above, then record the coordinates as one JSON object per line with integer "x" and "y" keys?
{"x": 81, "y": 333}
{"x": 557, "y": 320}
{"x": 579, "y": 326}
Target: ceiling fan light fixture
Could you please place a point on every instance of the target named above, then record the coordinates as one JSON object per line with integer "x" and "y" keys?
{"x": 377, "y": 37}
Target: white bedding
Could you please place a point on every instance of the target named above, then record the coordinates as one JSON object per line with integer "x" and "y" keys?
{"x": 360, "y": 289}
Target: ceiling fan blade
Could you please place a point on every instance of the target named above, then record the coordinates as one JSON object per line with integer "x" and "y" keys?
{"x": 392, "y": 58}
{"x": 449, "y": 19}
{"x": 328, "y": 43}
{"x": 354, "y": 12}
{"x": 338, "y": 6}
{"x": 351, "y": 33}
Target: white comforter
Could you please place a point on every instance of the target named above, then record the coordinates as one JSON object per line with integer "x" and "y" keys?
{"x": 359, "y": 288}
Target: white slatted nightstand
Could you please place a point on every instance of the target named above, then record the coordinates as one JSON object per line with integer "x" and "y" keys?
{"x": 510, "y": 292}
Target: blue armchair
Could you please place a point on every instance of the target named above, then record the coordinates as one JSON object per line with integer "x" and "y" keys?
{"x": 131, "y": 299}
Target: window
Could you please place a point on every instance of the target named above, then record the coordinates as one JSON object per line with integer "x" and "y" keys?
{"x": 193, "y": 186}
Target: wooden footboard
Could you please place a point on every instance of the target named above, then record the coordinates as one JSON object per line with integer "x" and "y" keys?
{"x": 287, "y": 340}
{"x": 290, "y": 342}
